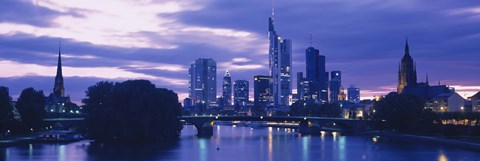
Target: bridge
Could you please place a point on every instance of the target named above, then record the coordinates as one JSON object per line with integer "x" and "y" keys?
{"x": 307, "y": 125}
{"x": 204, "y": 124}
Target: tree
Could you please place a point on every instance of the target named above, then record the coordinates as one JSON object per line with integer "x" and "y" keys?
{"x": 306, "y": 108}
{"x": 132, "y": 111}
{"x": 402, "y": 113}
{"x": 31, "y": 106}
{"x": 6, "y": 110}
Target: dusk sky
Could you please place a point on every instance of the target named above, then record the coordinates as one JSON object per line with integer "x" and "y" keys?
{"x": 158, "y": 40}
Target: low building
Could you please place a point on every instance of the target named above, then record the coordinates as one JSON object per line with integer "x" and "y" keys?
{"x": 475, "y": 102}
{"x": 447, "y": 102}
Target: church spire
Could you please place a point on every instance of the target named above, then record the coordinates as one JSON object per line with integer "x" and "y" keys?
{"x": 58, "y": 88}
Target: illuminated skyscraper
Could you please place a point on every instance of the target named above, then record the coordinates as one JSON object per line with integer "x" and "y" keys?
{"x": 261, "y": 91}
{"x": 241, "y": 92}
{"x": 227, "y": 89}
{"x": 203, "y": 81}
{"x": 280, "y": 65}
{"x": 335, "y": 84}
{"x": 317, "y": 75}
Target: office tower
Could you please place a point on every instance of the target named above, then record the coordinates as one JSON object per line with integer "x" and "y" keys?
{"x": 241, "y": 92}
{"x": 353, "y": 94}
{"x": 317, "y": 75}
{"x": 280, "y": 64}
{"x": 341, "y": 95}
{"x": 261, "y": 91}
{"x": 187, "y": 102}
{"x": 407, "y": 74}
{"x": 203, "y": 78}
{"x": 300, "y": 90}
{"x": 335, "y": 84}
{"x": 227, "y": 89}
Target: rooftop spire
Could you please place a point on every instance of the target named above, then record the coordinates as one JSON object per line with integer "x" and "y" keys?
{"x": 227, "y": 73}
{"x": 407, "y": 50}
{"x": 273, "y": 9}
{"x": 310, "y": 39}
{"x": 426, "y": 79}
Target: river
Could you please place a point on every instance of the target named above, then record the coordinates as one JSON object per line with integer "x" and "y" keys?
{"x": 244, "y": 144}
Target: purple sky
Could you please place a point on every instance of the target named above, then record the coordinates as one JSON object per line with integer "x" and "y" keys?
{"x": 158, "y": 40}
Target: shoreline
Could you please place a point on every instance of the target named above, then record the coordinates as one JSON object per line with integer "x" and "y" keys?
{"x": 427, "y": 139}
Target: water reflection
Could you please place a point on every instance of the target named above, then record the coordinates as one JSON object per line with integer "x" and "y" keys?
{"x": 242, "y": 143}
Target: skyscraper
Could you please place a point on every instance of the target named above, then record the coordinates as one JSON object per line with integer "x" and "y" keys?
{"x": 203, "y": 81}
{"x": 227, "y": 89}
{"x": 317, "y": 75}
{"x": 280, "y": 64}
{"x": 335, "y": 84}
{"x": 407, "y": 72}
{"x": 353, "y": 94}
{"x": 261, "y": 91}
{"x": 241, "y": 92}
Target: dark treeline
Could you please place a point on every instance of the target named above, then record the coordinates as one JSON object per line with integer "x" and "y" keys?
{"x": 26, "y": 116}
{"x": 304, "y": 108}
{"x": 132, "y": 111}
{"x": 407, "y": 114}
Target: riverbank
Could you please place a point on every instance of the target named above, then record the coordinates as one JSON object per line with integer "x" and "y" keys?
{"x": 388, "y": 136}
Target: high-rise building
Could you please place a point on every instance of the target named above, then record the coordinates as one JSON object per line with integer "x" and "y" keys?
{"x": 241, "y": 92}
{"x": 317, "y": 75}
{"x": 280, "y": 64}
{"x": 262, "y": 94}
{"x": 300, "y": 91}
{"x": 227, "y": 89}
{"x": 407, "y": 72}
{"x": 203, "y": 81}
{"x": 335, "y": 84}
{"x": 353, "y": 94}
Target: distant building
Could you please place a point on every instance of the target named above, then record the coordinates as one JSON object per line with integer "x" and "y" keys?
{"x": 342, "y": 96}
{"x": 261, "y": 91}
{"x": 407, "y": 80}
{"x": 316, "y": 75}
{"x": 447, "y": 102}
{"x": 187, "y": 102}
{"x": 475, "y": 102}
{"x": 227, "y": 89}
{"x": 241, "y": 93}
{"x": 203, "y": 81}
{"x": 353, "y": 94}
{"x": 280, "y": 64}
{"x": 407, "y": 72}
{"x": 57, "y": 102}
{"x": 335, "y": 84}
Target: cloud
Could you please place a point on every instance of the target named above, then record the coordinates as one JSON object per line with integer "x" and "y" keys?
{"x": 16, "y": 69}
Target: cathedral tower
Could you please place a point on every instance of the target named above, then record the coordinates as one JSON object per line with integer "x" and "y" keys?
{"x": 407, "y": 73}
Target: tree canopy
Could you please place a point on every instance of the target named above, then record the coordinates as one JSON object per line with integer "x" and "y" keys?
{"x": 132, "y": 111}
{"x": 402, "y": 113}
{"x": 6, "y": 110}
{"x": 306, "y": 108}
{"x": 31, "y": 106}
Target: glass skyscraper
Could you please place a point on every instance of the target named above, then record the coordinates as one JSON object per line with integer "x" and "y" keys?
{"x": 203, "y": 81}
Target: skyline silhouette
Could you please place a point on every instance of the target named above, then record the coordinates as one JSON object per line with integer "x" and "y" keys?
{"x": 158, "y": 43}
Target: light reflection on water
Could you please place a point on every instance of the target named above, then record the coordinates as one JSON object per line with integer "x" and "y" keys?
{"x": 242, "y": 143}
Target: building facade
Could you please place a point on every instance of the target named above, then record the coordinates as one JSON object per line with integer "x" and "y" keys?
{"x": 227, "y": 89}
{"x": 353, "y": 94}
{"x": 262, "y": 93}
{"x": 241, "y": 92}
{"x": 203, "y": 81}
{"x": 280, "y": 64}
{"x": 335, "y": 84}
{"x": 316, "y": 75}
{"x": 407, "y": 72}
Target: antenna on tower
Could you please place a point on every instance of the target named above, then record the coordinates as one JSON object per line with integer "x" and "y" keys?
{"x": 273, "y": 9}
{"x": 310, "y": 39}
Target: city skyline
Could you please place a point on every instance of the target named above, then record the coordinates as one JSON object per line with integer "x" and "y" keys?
{"x": 366, "y": 57}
